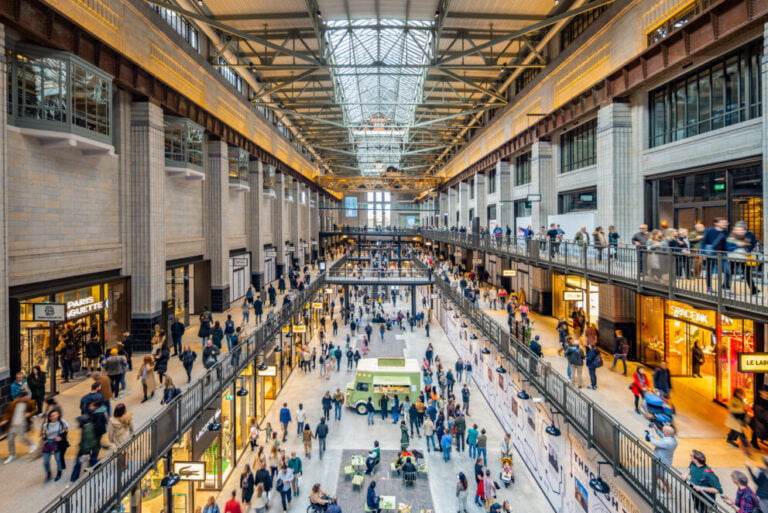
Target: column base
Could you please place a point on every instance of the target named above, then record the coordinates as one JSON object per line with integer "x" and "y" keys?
{"x": 220, "y": 298}
{"x": 142, "y": 326}
{"x": 606, "y": 327}
{"x": 280, "y": 270}
{"x": 257, "y": 279}
{"x": 541, "y": 301}
{"x": 5, "y": 391}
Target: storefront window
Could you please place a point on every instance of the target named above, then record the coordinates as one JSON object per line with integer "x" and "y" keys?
{"x": 177, "y": 284}
{"x": 151, "y": 493}
{"x": 563, "y": 306}
{"x": 227, "y": 433}
{"x": 675, "y": 332}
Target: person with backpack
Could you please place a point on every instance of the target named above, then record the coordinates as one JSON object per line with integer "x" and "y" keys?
{"x": 177, "y": 332}
{"x": 594, "y": 362}
{"x": 321, "y": 433}
{"x": 229, "y": 330}
{"x": 68, "y": 356}
{"x": 575, "y": 356}
{"x": 620, "y": 350}
{"x": 210, "y": 354}
{"x": 258, "y": 309}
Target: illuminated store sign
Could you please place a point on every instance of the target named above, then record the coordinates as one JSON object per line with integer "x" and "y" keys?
{"x": 688, "y": 315}
{"x": 83, "y": 306}
{"x": 753, "y": 362}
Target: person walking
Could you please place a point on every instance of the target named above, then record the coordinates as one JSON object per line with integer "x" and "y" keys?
{"x": 465, "y": 398}
{"x": 306, "y": 438}
{"x": 462, "y": 491}
{"x": 246, "y": 309}
{"x": 327, "y": 403}
{"x": 639, "y": 386}
{"x": 169, "y": 390}
{"x": 575, "y": 356}
{"x": 188, "y": 358}
{"x": 285, "y": 419}
{"x": 746, "y": 500}
{"x": 229, "y": 329}
{"x": 177, "y": 333}
{"x": 210, "y": 354}
{"x": 258, "y": 309}
{"x": 467, "y": 373}
{"x": 18, "y": 416}
{"x": 211, "y": 506}
{"x": 736, "y": 420}
{"x": 472, "y": 441}
{"x": 321, "y": 433}
{"x": 52, "y": 433}
{"x": 147, "y": 376}
{"x": 301, "y": 418}
{"x": 445, "y": 445}
{"x": 620, "y": 350}
{"x": 115, "y": 367}
{"x": 338, "y": 402}
{"x": 370, "y": 411}
{"x": 204, "y": 332}
{"x": 294, "y": 463}
{"x": 232, "y": 506}
{"x": 662, "y": 380}
{"x": 429, "y": 433}
{"x": 594, "y": 361}
{"x": 760, "y": 477}
{"x": 482, "y": 444}
{"x": 489, "y": 490}
{"x": 405, "y": 439}
{"x": 284, "y": 485}
{"x": 263, "y": 478}
{"x": 460, "y": 426}
{"x": 120, "y": 426}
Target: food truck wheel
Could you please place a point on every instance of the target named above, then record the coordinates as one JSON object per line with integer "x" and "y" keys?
{"x": 361, "y": 408}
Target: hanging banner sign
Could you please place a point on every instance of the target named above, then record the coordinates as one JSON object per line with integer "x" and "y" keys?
{"x": 509, "y": 273}
{"x": 573, "y": 295}
{"x": 753, "y": 362}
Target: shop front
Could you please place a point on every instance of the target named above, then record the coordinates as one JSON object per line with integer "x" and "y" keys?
{"x": 700, "y": 347}
{"x": 270, "y": 264}
{"x": 188, "y": 285}
{"x": 574, "y": 295}
{"x": 239, "y": 274}
{"x": 76, "y": 314}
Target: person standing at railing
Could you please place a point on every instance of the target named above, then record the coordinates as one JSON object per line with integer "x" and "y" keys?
{"x": 581, "y": 239}
{"x": 600, "y": 241}
{"x": 714, "y": 240}
{"x": 640, "y": 241}
{"x": 594, "y": 361}
{"x": 575, "y": 356}
{"x": 664, "y": 445}
{"x": 702, "y": 479}
{"x": 614, "y": 239}
{"x": 740, "y": 246}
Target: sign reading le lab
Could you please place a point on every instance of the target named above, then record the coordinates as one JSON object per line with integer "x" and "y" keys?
{"x": 573, "y": 295}
{"x": 190, "y": 470}
{"x": 49, "y": 312}
{"x": 753, "y": 362}
{"x": 510, "y": 273}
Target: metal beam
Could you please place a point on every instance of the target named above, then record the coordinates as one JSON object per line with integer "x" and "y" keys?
{"x": 527, "y": 30}
{"x": 262, "y": 16}
{"x": 494, "y": 16}
{"x": 280, "y": 87}
{"x": 483, "y": 90}
{"x": 230, "y": 30}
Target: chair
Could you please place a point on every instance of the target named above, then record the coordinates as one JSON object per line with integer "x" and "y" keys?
{"x": 349, "y": 471}
{"x": 393, "y": 469}
{"x": 357, "y": 481}
{"x": 409, "y": 478}
{"x": 424, "y": 469}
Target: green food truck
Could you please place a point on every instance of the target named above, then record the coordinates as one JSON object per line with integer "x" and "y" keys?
{"x": 376, "y": 376}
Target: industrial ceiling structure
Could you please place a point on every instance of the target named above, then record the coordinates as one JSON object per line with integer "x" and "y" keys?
{"x": 381, "y": 92}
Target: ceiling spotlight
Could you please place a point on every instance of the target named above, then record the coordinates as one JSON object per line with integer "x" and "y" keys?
{"x": 473, "y": 337}
{"x": 485, "y": 350}
{"x": 523, "y": 395}
{"x": 463, "y": 324}
{"x": 214, "y": 426}
{"x": 200, "y": 3}
{"x": 552, "y": 430}
{"x": 263, "y": 367}
{"x": 456, "y": 316}
{"x": 501, "y": 370}
{"x": 241, "y": 393}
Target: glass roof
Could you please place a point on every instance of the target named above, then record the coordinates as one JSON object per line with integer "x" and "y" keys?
{"x": 378, "y": 68}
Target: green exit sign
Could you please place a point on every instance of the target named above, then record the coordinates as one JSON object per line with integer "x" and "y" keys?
{"x": 719, "y": 187}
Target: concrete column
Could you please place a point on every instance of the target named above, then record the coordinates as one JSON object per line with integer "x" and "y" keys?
{"x": 443, "y": 203}
{"x": 314, "y": 229}
{"x": 618, "y": 202}
{"x": 278, "y": 214}
{"x": 453, "y": 207}
{"x": 505, "y": 207}
{"x": 215, "y": 232}
{"x": 146, "y": 210}
{"x": 295, "y": 228}
{"x": 5, "y": 357}
{"x": 617, "y": 312}
{"x": 463, "y": 208}
{"x": 481, "y": 202}
{"x": 542, "y": 182}
{"x": 253, "y": 205}
{"x": 541, "y": 290}
{"x": 764, "y": 83}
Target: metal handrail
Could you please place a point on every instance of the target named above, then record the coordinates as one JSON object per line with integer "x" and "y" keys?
{"x": 114, "y": 475}
{"x": 630, "y": 458}
{"x": 663, "y": 270}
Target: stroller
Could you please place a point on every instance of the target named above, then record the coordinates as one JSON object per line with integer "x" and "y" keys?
{"x": 506, "y": 474}
{"x": 658, "y": 410}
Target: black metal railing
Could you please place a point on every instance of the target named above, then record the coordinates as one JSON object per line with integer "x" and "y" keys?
{"x": 118, "y": 472}
{"x": 660, "y": 486}
{"x": 726, "y": 281}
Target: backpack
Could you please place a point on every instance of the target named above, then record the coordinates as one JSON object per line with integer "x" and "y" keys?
{"x": 598, "y": 360}
{"x": 69, "y": 352}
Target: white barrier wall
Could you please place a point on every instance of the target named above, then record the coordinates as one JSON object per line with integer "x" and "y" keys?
{"x": 562, "y": 466}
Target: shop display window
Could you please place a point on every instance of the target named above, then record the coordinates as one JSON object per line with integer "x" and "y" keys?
{"x": 590, "y": 304}
{"x": 151, "y": 493}
{"x": 227, "y": 433}
{"x": 737, "y": 336}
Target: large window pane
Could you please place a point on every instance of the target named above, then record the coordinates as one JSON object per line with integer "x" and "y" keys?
{"x": 578, "y": 147}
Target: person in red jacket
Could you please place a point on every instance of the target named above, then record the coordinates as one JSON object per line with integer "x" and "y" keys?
{"x": 232, "y": 505}
{"x": 639, "y": 386}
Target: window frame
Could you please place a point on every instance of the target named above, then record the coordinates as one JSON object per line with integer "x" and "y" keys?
{"x": 578, "y": 147}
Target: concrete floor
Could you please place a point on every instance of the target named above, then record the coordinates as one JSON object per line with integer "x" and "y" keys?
{"x": 352, "y": 433}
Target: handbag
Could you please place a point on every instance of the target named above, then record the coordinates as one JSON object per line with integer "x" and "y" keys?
{"x": 50, "y": 447}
